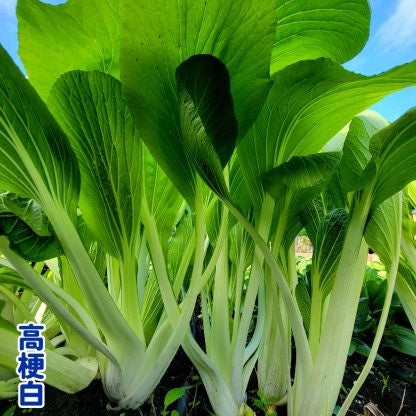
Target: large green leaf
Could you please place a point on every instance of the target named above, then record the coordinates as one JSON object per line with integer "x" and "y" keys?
{"x": 158, "y": 36}
{"x": 79, "y": 34}
{"x": 91, "y": 110}
{"x": 356, "y": 152}
{"x": 209, "y": 128}
{"x": 383, "y": 229}
{"x": 394, "y": 155}
{"x": 162, "y": 197}
{"x": 320, "y": 28}
{"x": 401, "y": 339}
{"x": 36, "y": 160}
{"x": 327, "y": 232}
{"x": 308, "y": 104}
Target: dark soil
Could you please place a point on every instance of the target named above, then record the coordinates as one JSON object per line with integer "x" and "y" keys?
{"x": 391, "y": 386}
{"x": 387, "y": 387}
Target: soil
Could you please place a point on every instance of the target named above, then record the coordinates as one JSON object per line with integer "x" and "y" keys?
{"x": 391, "y": 387}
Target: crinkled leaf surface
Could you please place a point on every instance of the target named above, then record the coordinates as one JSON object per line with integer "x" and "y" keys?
{"x": 36, "y": 160}
{"x": 301, "y": 172}
{"x": 79, "y": 34}
{"x": 27, "y": 228}
{"x": 294, "y": 184}
{"x": 320, "y": 28}
{"x": 159, "y": 35}
{"x": 328, "y": 243}
{"x": 303, "y": 298}
{"x": 27, "y": 243}
{"x": 91, "y": 109}
{"x": 27, "y": 210}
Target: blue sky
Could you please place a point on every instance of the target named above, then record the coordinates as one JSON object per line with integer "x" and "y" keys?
{"x": 392, "y": 42}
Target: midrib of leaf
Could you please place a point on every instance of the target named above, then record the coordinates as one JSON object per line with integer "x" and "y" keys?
{"x": 39, "y": 185}
{"x": 99, "y": 164}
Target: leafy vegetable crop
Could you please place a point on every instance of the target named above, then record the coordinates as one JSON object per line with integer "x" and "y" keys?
{"x": 166, "y": 154}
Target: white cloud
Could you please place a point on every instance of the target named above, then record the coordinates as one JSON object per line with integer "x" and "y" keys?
{"x": 399, "y": 31}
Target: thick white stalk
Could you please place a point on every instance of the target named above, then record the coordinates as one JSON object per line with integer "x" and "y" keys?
{"x": 304, "y": 359}
{"x": 170, "y": 334}
{"x": 119, "y": 337}
{"x": 321, "y": 392}
{"x": 130, "y": 307}
{"x": 220, "y": 348}
{"x": 273, "y": 361}
{"x": 392, "y": 273}
{"x": 41, "y": 287}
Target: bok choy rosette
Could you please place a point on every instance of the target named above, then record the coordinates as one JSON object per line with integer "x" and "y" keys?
{"x": 161, "y": 158}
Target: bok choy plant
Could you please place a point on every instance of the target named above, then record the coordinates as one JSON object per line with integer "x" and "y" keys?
{"x": 119, "y": 185}
{"x": 163, "y": 155}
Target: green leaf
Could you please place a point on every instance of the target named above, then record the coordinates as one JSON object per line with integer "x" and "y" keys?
{"x": 177, "y": 246}
{"x": 213, "y": 220}
{"x": 384, "y": 227}
{"x": 206, "y": 103}
{"x": 394, "y": 154}
{"x": 91, "y": 110}
{"x": 319, "y": 28}
{"x": 163, "y": 198}
{"x": 238, "y": 188}
{"x": 239, "y": 242}
{"x": 36, "y": 160}
{"x": 157, "y": 37}
{"x": 301, "y": 173}
{"x": 78, "y": 34}
{"x": 27, "y": 210}
{"x": 411, "y": 192}
{"x": 400, "y": 339}
{"x": 174, "y": 394}
{"x": 27, "y": 228}
{"x": 308, "y": 104}
{"x": 26, "y": 242}
{"x": 408, "y": 275}
{"x": 328, "y": 244}
{"x": 209, "y": 127}
{"x": 358, "y": 346}
{"x": 356, "y": 152}
{"x": 303, "y": 299}
{"x": 294, "y": 184}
